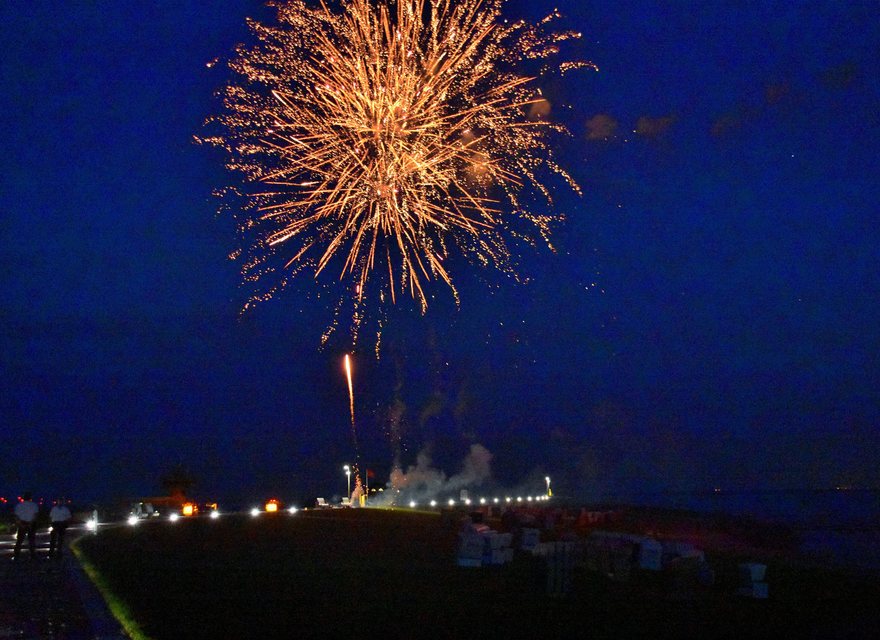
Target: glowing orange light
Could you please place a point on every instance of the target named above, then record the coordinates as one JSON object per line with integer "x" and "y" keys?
{"x": 272, "y": 506}
{"x": 189, "y": 509}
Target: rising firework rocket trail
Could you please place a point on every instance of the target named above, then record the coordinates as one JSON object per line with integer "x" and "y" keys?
{"x": 350, "y": 389}
{"x": 354, "y": 439}
{"x": 379, "y": 138}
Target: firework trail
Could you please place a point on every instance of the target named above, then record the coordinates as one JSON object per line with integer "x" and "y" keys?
{"x": 350, "y": 389}
{"x": 377, "y": 139}
{"x": 354, "y": 438}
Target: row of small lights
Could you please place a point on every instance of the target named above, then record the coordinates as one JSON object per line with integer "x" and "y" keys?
{"x": 4, "y": 500}
{"x": 271, "y": 507}
{"x": 133, "y": 520}
{"x": 483, "y": 501}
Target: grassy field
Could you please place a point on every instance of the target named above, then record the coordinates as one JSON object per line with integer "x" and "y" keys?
{"x": 323, "y": 573}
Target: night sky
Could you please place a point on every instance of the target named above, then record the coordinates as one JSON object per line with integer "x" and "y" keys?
{"x": 709, "y": 318}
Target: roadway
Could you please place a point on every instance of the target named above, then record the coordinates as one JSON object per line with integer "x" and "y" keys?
{"x": 50, "y": 598}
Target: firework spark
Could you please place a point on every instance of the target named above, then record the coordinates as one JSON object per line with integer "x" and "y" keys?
{"x": 384, "y": 136}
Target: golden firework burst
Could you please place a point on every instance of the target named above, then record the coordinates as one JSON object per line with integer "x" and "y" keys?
{"x": 382, "y": 136}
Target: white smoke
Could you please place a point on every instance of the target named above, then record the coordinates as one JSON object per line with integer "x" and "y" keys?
{"x": 423, "y": 482}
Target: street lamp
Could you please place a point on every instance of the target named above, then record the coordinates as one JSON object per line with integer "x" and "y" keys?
{"x": 547, "y": 480}
{"x": 347, "y": 470}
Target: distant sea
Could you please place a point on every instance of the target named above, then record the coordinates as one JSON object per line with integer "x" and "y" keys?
{"x": 842, "y": 526}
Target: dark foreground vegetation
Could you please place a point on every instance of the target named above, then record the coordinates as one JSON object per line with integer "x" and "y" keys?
{"x": 366, "y": 572}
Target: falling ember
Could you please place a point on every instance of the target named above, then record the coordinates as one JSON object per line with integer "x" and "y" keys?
{"x": 383, "y": 138}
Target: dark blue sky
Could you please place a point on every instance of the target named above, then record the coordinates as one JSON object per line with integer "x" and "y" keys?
{"x": 710, "y": 318}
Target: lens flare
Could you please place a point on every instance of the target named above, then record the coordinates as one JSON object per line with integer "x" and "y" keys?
{"x": 378, "y": 139}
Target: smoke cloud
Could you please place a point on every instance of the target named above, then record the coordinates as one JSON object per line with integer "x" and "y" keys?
{"x": 601, "y": 127}
{"x": 654, "y": 127}
{"x": 423, "y": 482}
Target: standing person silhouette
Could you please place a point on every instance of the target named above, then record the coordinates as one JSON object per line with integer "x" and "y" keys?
{"x": 26, "y": 524}
{"x": 60, "y": 517}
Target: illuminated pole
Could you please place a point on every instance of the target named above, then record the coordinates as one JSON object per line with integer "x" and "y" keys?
{"x": 547, "y": 479}
{"x": 347, "y": 470}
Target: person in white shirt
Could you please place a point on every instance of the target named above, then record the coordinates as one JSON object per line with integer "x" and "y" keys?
{"x": 60, "y": 517}
{"x": 26, "y": 522}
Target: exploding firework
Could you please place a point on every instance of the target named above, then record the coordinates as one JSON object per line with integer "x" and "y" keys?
{"x": 379, "y": 138}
